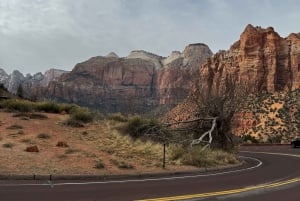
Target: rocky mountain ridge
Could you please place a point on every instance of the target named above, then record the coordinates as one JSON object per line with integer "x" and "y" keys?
{"x": 262, "y": 62}
{"x": 140, "y": 82}
{"x": 29, "y": 82}
{"x": 261, "y": 59}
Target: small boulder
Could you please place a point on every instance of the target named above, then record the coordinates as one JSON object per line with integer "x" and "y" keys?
{"x": 62, "y": 144}
{"x": 32, "y": 149}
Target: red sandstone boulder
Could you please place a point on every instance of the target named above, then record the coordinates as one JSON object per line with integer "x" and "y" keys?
{"x": 32, "y": 149}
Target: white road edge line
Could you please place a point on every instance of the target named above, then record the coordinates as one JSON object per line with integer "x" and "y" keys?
{"x": 145, "y": 180}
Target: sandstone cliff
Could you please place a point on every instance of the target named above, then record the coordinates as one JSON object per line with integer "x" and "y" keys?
{"x": 31, "y": 84}
{"x": 140, "y": 82}
{"x": 261, "y": 59}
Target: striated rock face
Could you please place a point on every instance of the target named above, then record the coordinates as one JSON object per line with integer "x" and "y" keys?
{"x": 14, "y": 81}
{"x": 51, "y": 75}
{"x": 261, "y": 59}
{"x": 140, "y": 82}
{"x": 107, "y": 83}
{"x": 31, "y": 85}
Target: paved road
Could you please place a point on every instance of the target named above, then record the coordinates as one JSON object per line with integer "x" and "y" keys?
{"x": 277, "y": 178}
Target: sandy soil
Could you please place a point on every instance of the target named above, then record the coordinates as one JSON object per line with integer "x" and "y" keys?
{"x": 93, "y": 144}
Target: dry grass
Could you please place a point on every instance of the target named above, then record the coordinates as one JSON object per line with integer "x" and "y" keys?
{"x": 89, "y": 148}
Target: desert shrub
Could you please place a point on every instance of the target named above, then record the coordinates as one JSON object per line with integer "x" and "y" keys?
{"x": 208, "y": 158}
{"x": 118, "y": 117}
{"x": 20, "y": 132}
{"x": 43, "y": 136}
{"x": 121, "y": 164}
{"x": 99, "y": 165}
{"x": 65, "y": 107}
{"x": 176, "y": 151}
{"x": 17, "y": 105}
{"x": 28, "y": 141}
{"x": 249, "y": 138}
{"x": 274, "y": 139}
{"x": 82, "y": 114}
{"x": 48, "y": 106}
{"x": 27, "y": 116}
{"x": 71, "y": 151}
{"x": 8, "y": 145}
{"x": 15, "y": 126}
{"x": 73, "y": 123}
{"x": 138, "y": 127}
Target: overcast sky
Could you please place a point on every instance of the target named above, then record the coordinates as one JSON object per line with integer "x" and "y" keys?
{"x": 36, "y": 35}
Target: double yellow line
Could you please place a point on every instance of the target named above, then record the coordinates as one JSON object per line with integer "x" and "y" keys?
{"x": 227, "y": 192}
{"x": 233, "y": 191}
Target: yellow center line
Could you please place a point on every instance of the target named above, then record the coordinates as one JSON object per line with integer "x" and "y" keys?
{"x": 227, "y": 192}
{"x": 233, "y": 191}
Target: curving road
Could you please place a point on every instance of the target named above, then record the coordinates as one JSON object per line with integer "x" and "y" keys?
{"x": 267, "y": 176}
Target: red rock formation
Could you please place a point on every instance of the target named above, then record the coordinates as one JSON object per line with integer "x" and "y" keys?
{"x": 140, "y": 82}
{"x": 261, "y": 59}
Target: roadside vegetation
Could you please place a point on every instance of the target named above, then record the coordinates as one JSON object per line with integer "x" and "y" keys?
{"x": 113, "y": 144}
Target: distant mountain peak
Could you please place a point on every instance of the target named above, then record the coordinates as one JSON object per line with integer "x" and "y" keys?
{"x": 112, "y": 54}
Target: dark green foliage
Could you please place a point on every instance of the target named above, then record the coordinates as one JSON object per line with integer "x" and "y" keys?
{"x": 121, "y": 164}
{"x": 20, "y": 92}
{"x": 48, "y": 106}
{"x": 82, "y": 114}
{"x": 139, "y": 127}
{"x": 118, "y": 117}
{"x": 72, "y": 151}
{"x": 208, "y": 158}
{"x": 17, "y": 105}
{"x": 15, "y": 126}
{"x": 8, "y": 145}
{"x": 74, "y": 123}
{"x": 274, "y": 139}
{"x": 43, "y": 136}
{"x": 31, "y": 115}
{"x": 99, "y": 165}
{"x": 249, "y": 138}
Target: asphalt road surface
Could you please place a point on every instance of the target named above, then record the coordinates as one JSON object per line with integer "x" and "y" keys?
{"x": 272, "y": 173}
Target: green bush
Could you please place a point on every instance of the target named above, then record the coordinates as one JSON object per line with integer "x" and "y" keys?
{"x": 138, "y": 126}
{"x": 208, "y": 158}
{"x": 121, "y": 164}
{"x": 48, "y": 106}
{"x": 15, "y": 126}
{"x": 65, "y": 107}
{"x": 82, "y": 114}
{"x": 74, "y": 123}
{"x": 118, "y": 117}
{"x": 8, "y": 145}
{"x": 43, "y": 136}
{"x": 72, "y": 151}
{"x": 99, "y": 165}
{"x": 17, "y": 105}
{"x": 176, "y": 152}
{"x": 249, "y": 138}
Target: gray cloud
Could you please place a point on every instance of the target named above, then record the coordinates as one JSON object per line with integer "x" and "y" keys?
{"x": 40, "y": 34}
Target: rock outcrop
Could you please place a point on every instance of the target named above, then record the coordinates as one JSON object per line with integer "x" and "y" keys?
{"x": 140, "y": 82}
{"x": 32, "y": 85}
{"x": 14, "y": 81}
{"x": 261, "y": 60}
